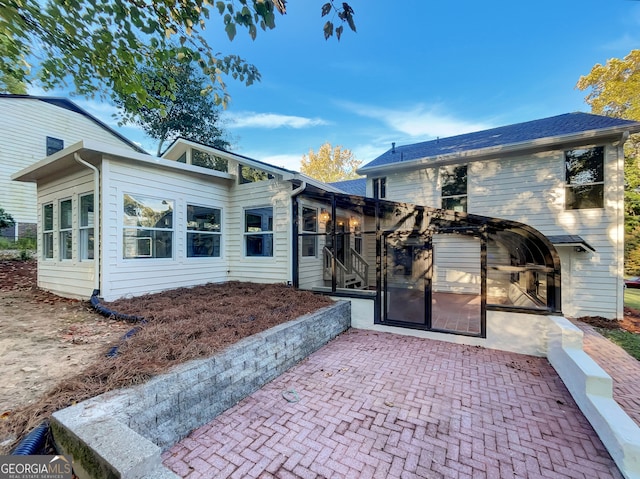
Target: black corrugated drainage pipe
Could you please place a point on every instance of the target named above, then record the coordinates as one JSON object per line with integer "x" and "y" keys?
{"x": 95, "y": 303}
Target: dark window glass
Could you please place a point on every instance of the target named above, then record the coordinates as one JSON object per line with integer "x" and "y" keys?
{"x": 454, "y": 187}
{"x": 258, "y": 227}
{"x": 203, "y": 231}
{"x": 380, "y": 188}
{"x": 584, "y": 178}
{"x": 54, "y": 145}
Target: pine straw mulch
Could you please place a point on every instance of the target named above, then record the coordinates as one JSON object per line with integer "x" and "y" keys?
{"x": 180, "y": 325}
{"x": 630, "y": 322}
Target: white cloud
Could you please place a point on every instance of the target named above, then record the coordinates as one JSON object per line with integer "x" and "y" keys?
{"x": 625, "y": 43}
{"x": 249, "y": 119}
{"x": 418, "y": 121}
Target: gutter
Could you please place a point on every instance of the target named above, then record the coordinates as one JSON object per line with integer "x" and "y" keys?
{"x": 96, "y": 218}
{"x": 484, "y": 153}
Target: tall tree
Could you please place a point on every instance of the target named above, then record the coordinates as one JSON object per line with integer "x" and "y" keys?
{"x": 330, "y": 164}
{"x": 615, "y": 91}
{"x": 99, "y": 43}
{"x": 189, "y": 110}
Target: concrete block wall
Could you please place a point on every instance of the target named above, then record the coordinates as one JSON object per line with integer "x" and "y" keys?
{"x": 159, "y": 413}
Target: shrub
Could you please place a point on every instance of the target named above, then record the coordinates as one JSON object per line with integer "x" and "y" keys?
{"x": 6, "y": 220}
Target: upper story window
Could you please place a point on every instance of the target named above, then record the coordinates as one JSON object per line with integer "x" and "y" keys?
{"x": 258, "y": 231}
{"x": 248, "y": 174}
{"x": 380, "y": 188}
{"x": 584, "y": 178}
{"x": 203, "y": 231}
{"x": 86, "y": 227}
{"x": 66, "y": 231}
{"x": 148, "y": 227}
{"x": 454, "y": 187}
{"x": 47, "y": 231}
{"x": 54, "y": 145}
{"x": 207, "y": 160}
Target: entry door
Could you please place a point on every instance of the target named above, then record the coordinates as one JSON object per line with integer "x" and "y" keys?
{"x": 407, "y": 264}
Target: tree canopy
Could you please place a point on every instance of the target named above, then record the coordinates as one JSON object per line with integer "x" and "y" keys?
{"x": 6, "y": 220}
{"x": 98, "y": 44}
{"x": 615, "y": 91}
{"x": 188, "y": 111}
{"x": 330, "y": 164}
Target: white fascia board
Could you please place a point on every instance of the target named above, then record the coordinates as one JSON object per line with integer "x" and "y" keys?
{"x": 498, "y": 151}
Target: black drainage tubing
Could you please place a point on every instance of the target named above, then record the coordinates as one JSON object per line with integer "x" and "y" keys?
{"x": 33, "y": 443}
{"x": 95, "y": 303}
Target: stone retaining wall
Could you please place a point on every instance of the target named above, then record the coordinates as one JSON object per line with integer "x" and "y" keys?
{"x": 100, "y": 432}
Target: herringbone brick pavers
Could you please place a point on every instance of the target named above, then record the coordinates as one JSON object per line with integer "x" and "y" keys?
{"x": 382, "y": 405}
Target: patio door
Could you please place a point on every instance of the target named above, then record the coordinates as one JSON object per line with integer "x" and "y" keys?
{"x": 406, "y": 278}
{"x": 456, "y": 292}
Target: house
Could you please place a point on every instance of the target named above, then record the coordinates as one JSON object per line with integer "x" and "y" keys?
{"x": 562, "y": 175}
{"x": 36, "y": 126}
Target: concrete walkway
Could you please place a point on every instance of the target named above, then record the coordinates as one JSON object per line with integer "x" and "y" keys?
{"x": 375, "y": 404}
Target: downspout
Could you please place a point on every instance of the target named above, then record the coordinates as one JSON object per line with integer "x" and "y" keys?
{"x": 96, "y": 218}
{"x": 620, "y": 221}
{"x": 293, "y": 257}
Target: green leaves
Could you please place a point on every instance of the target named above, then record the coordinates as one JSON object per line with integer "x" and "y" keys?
{"x": 99, "y": 44}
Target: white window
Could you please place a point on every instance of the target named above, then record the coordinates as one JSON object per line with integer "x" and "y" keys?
{"x": 47, "y": 231}
{"x": 454, "y": 187}
{"x": 203, "y": 231}
{"x": 148, "y": 227}
{"x": 380, "y": 188}
{"x": 309, "y": 225}
{"x": 66, "y": 231}
{"x": 258, "y": 231}
{"x": 584, "y": 178}
{"x": 86, "y": 227}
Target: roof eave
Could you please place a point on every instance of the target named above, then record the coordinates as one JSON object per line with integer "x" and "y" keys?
{"x": 502, "y": 150}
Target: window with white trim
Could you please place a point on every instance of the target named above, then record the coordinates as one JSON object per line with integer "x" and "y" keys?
{"x": 584, "y": 178}
{"x": 453, "y": 180}
{"x": 148, "y": 227}
{"x": 86, "y": 227}
{"x": 380, "y": 188}
{"x": 203, "y": 231}
{"x": 47, "y": 231}
{"x": 66, "y": 229}
{"x": 258, "y": 231}
{"x": 309, "y": 225}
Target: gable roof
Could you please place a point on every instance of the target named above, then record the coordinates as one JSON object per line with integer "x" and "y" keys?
{"x": 356, "y": 187}
{"x": 67, "y": 104}
{"x": 529, "y": 134}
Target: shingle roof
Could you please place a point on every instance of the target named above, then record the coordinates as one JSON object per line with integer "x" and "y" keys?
{"x": 566, "y": 124}
{"x": 352, "y": 187}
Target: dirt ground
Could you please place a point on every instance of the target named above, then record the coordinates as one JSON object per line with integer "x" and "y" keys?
{"x": 44, "y": 338}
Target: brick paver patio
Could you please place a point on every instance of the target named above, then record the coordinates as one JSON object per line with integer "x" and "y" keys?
{"x": 381, "y": 405}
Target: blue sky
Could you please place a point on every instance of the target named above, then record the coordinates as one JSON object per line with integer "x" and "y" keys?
{"x": 414, "y": 71}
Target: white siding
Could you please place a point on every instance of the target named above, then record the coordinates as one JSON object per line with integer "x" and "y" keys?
{"x": 530, "y": 189}
{"x": 71, "y": 278}
{"x": 271, "y": 269}
{"x": 122, "y": 277}
{"x": 456, "y": 264}
{"x": 26, "y": 123}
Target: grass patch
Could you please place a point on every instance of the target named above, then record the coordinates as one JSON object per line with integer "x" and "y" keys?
{"x": 632, "y": 298}
{"x": 630, "y": 342}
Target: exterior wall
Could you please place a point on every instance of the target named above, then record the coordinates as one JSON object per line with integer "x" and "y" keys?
{"x": 72, "y": 278}
{"x": 27, "y": 123}
{"x": 271, "y": 269}
{"x": 530, "y": 189}
{"x": 122, "y": 277}
{"x": 310, "y": 268}
{"x": 456, "y": 264}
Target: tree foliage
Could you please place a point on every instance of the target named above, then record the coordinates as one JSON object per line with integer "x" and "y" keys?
{"x": 6, "y": 220}
{"x": 615, "y": 87}
{"x": 99, "y": 43}
{"x": 615, "y": 91}
{"x": 330, "y": 164}
{"x": 189, "y": 110}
